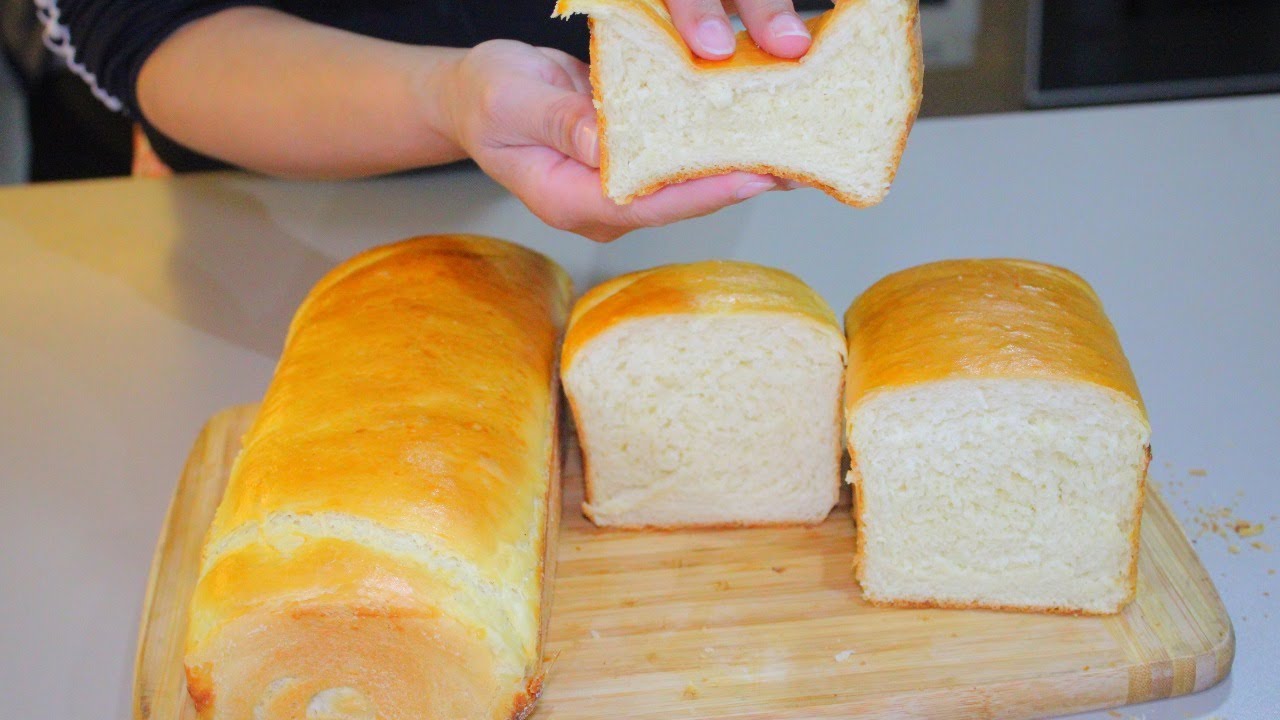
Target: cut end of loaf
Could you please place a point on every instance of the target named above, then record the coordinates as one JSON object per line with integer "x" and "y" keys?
{"x": 335, "y": 663}
{"x": 838, "y": 119}
{"x": 1004, "y": 494}
{"x": 373, "y": 637}
{"x": 709, "y": 420}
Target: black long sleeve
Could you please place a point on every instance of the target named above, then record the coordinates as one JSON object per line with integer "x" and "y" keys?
{"x": 107, "y": 41}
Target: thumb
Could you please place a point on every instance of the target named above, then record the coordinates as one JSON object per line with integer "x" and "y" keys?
{"x": 565, "y": 121}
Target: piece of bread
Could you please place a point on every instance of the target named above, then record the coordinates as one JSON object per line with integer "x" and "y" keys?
{"x": 706, "y": 394}
{"x": 999, "y": 445}
{"x": 384, "y": 546}
{"x": 837, "y": 118}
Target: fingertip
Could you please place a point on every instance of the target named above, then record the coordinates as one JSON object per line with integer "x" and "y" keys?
{"x": 787, "y": 36}
{"x": 713, "y": 38}
{"x": 754, "y": 186}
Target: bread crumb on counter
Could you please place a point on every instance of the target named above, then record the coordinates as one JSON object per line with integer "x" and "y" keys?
{"x": 843, "y": 655}
{"x": 690, "y": 692}
{"x": 595, "y": 634}
{"x": 1244, "y": 528}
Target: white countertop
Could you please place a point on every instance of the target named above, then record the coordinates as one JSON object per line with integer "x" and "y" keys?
{"x": 132, "y": 310}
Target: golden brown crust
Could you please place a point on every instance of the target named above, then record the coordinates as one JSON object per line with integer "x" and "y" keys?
{"x": 948, "y": 605}
{"x": 707, "y": 287}
{"x": 398, "y": 490}
{"x": 748, "y": 55}
{"x": 1135, "y": 533}
{"x": 602, "y": 125}
{"x": 981, "y": 318}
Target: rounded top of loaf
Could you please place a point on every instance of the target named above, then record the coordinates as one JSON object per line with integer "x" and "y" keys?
{"x": 706, "y": 287}
{"x": 399, "y": 256}
{"x": 981, "y": 318}
{"x": 745, "y": 55}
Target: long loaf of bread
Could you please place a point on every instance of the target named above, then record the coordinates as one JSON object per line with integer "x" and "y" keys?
{"x": 384, "y": 547}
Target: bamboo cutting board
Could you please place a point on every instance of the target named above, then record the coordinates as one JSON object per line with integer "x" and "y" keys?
{"x": 766, "y": 623}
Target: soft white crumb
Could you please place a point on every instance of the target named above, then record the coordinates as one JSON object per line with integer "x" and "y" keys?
{"x": 844, "y": 655}
{"x": 595, "y": 634}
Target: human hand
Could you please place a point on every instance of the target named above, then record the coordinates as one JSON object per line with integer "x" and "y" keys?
{"x": 525, "y": 115}
{"x": 773, "y": 25}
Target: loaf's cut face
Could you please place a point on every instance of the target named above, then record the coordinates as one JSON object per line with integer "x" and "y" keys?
{"x": 706, "y": 395}
{"x": 999, "y": 443}
{"x": 838, "y": 118}
{"x": 384, "y": 546}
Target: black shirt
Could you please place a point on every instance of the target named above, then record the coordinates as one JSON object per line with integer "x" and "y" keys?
{"x": 111, "y": 39}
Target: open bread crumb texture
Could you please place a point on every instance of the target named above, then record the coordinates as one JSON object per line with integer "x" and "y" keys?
{"x": 999, "y": 493}
{"x": 839, "y": 116}
{"x": 710, "y": 420}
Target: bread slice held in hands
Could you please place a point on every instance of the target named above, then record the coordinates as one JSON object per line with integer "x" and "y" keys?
{"x": 837, "y": 118}
{"x": 998, "y": 441}
{"x": 706, "y": 394}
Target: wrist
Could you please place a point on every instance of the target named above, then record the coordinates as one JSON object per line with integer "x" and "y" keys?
{"x": 435, "y": 88}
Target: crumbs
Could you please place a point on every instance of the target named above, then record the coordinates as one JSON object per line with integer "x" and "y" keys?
{"x": 843, "y": 656}
{"x": 1226, "y": 524}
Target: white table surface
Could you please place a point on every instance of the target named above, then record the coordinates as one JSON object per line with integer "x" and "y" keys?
{"x": 132, "y": 310}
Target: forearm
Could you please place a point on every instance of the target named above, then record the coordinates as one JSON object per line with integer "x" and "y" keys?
{"x": 280, "y": 95}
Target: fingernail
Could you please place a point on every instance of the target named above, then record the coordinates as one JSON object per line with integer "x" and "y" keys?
{"x": 589, "y": 144}
{"x": 715, "y": 36}
{"x": 753, "y": 188}
{"x": 788, "y": 25}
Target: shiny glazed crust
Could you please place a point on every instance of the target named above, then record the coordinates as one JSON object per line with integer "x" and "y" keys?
{"x": 707, "y": 287}
{"x": 996, "y": 318}
{"x": 747, "y": 56}
{"x": 981, "y": 319}
{"x": 389, "y": 525}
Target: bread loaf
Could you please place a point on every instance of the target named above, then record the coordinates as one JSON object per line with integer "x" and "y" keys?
{"x": 384, "y": 547}
{"x": 998, "y": 441}
{"x": 837, "y": 118}
{"x": 706, "y": 394}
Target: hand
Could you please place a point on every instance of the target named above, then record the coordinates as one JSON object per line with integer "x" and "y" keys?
{"x": 773, "y": 25}
{"x": 525, "y": 115}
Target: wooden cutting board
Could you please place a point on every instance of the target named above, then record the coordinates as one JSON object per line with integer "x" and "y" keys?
{"x": 766, "y": 623}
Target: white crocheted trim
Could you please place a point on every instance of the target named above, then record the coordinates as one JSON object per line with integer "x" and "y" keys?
{"x": 58, "y": 39}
